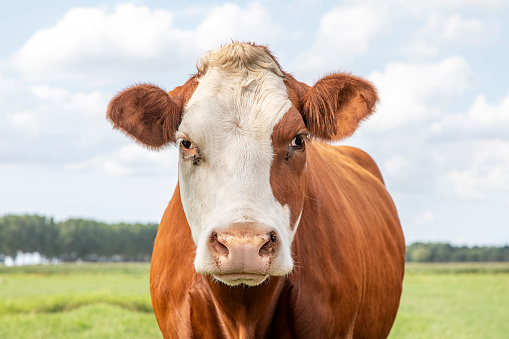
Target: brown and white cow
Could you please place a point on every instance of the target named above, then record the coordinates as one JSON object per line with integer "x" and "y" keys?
{"x": 270, "y": 231}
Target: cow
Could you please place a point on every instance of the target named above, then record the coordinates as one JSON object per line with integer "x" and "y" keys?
{"x": 272, "y": 232}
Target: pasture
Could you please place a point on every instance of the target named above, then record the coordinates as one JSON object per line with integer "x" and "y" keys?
{"x": 113, "y": 301}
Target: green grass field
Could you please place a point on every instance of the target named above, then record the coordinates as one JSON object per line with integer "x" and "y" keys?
{"x": 76, "y": 301}
{"x": 113, "y": 301}
{"x": 454, "y": 301}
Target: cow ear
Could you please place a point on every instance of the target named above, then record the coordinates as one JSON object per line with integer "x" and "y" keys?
{"x": 149, "y": 114}
{"x": 333, "y": 108}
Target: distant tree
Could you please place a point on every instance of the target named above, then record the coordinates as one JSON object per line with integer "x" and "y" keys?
{"x": 28, "y": 233}
{"x": 460, "y": 254}
{"x": 441, "y": 252}
{"x": 418, "y": 252}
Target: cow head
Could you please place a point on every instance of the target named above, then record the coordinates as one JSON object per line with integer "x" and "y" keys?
{"x": 242, "y": 127}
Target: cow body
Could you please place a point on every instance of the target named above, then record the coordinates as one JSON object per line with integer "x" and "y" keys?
{"x": 349, "y": 256}
{"x": 268, "y": 233}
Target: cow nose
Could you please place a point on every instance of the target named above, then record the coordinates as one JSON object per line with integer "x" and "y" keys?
{"x": 243, "y": 251}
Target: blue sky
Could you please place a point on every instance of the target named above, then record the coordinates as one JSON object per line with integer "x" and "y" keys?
{"x": 440, "y": 134}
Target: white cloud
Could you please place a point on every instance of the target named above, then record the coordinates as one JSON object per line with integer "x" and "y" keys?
{"x": 413, "y": 93}
{"x": 442, "y": 32}
{"x": 484, "y": 120}
{"x": 91, "y": 40}
{"x": 43, "y": 124}
{"x": 486, "y": 114}
{"x": 231, "y": 22}
{"x": 27, "y": 122}
{"x": 68, "y": 131}
{"x": 421, "y": 6}
{"x": 348, "y": 28}
{"x": 344, "y": 33}
{"x": 420, "y": 48}
{"x": 46, "y": 92}
{"x": 395, "y": 165}
{"x": 455, "y": 29}
{"x": 488, "y": 173}
{"x": 59, "y": 107}
{"x": 130, "y": 159}
{"x": 425, "y": 218}
{"x": 7, "y": 85}
{"x": 55, "y": 127}
{"x": 478, "y": 166}
{"x": 100, "y": 47}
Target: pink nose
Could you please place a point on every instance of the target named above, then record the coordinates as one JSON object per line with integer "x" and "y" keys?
{"x": 240, "y": 251}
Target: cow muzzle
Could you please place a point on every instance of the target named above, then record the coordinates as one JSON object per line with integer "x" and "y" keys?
{"x": 243, "y": 257}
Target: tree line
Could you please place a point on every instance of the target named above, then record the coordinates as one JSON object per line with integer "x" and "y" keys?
{"x": 443, "y": 252}
{"x": 90, "y": 240}
{"x": 76, "y": 239}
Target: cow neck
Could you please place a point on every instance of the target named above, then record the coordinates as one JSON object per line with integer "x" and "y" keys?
{"x": 248, "y": 311}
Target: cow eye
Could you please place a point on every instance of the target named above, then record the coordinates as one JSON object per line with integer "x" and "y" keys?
{"x": 186, "y": 144}
{"x": 190, "y": 152}
{"x": 299, "y": 141}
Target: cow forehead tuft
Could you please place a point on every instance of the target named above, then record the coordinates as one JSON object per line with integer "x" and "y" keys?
{"x": 240, "y": 58}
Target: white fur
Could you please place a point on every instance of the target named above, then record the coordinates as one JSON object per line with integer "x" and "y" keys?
{"x": 230, "y": 119}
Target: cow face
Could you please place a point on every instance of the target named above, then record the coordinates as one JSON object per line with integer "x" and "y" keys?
{"x": 242, "y": 129}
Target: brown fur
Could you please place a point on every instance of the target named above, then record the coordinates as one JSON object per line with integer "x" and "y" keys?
{"x": 149, "y": 114}
{"x": 333, "y": 108}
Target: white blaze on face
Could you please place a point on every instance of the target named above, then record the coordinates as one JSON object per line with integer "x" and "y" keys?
{"x": 230, "y": 119}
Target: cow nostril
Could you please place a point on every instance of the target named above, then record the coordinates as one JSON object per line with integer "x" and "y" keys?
{"x": 269, "y": 247}
{"x": 219, "y": 247}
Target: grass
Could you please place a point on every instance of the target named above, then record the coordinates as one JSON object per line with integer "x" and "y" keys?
{"x": 454, "y": 300}
{"x": 100, "y": 320}
{"x": 113, "y": 301}
{"x": 76, "y": 301}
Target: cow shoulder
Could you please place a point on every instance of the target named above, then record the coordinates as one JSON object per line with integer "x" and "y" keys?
{"x": 347, "y": 158}
{"x": 362, "y": 159}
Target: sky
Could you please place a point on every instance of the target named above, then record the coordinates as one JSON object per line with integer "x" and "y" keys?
{"x": 440, "y": 134}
